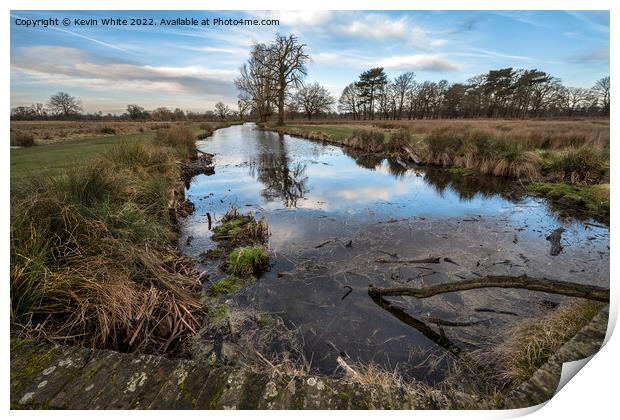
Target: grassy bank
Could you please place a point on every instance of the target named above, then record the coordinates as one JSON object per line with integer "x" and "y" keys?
{"x": 566, "y": 153}
{"x": 93, "y": 246}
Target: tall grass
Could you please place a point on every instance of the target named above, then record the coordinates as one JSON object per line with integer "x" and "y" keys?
{"x": 92, "y": 255}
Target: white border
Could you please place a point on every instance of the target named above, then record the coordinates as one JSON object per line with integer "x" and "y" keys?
{"x": 592, "y": 395}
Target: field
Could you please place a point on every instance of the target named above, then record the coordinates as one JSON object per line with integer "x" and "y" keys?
{"x": 63, "y": 144}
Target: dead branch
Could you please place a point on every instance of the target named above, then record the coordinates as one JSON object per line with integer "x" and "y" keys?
{"x": 506, "y": 282}
{"x": 431, "y": 260}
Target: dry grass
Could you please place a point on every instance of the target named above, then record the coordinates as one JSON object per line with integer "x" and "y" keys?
{"x": 92, "y": 255}
{"x": 527, "y": 346}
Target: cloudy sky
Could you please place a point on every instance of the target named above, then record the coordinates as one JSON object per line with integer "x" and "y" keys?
{"x": 193, "y": 67}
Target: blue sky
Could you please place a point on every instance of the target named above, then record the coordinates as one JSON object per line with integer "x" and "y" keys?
{"x": 193, "y": 67}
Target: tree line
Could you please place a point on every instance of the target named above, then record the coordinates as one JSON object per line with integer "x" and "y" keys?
{"x": 503, "y": 93}
{"x": 63, "y": 106}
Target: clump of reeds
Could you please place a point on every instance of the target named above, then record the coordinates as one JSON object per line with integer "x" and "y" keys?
{"x": 92, "y": 255}
{"x": 22, "y": 139}
{"x": 180, "y": 139}
{"x": 528, "y": 345}
{"x": 582, "y": 165}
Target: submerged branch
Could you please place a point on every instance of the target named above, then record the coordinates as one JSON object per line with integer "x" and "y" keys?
{"x": 507, "y": 282}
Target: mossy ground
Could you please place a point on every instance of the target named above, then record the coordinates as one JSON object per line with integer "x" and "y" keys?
{"x": 245, "y": 261}
{"x": 595, "y": 198}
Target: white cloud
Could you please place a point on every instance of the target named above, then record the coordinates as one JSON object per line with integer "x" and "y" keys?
{"x": 428, "y": 62}
{"x": 376, "y": 26}
{"x": 297, "y": 18}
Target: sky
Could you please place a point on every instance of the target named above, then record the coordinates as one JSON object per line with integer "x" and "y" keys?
{"x": 193, "y": 67}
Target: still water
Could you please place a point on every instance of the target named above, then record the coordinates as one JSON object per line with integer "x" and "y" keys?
{"x": 333, "y": 213}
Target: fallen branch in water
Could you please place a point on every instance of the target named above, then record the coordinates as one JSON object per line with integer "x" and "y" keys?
{"x": 555, "y": 238}
{"x": 506, "y": 282}
{"x": 430, "y": 260}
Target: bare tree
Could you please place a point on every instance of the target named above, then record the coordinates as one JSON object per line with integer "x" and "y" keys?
{"x": 286, "y": 59}
{"x": 402, "y": 86}
{"x": 349, "y": 100}
{"x": 313, "y": 99}
{"x": 602, "y": 88}
{"x": 222, "y": 110}
{"x": 255, "y": 83}
{"x": 572, "y": 98}
{"x": 64, "y": 104}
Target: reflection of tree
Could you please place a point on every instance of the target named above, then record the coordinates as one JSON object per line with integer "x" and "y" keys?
{"x": 282, "y": 180}
{"x": 466, "y": 187}
{"x": 363, "y": 159}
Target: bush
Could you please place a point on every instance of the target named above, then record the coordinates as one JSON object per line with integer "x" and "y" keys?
{"x": 583, "y": 165}
{"x": 22, "y": 139}
{"x": 107, "y": 130}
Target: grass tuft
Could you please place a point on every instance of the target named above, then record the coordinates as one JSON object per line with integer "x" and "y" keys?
{"x": 246, "y": 261}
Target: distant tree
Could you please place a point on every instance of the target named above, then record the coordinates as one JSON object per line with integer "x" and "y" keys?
{"x": 602, "y": 89}
{"x": 573, "y": 98}
{"x": 178, "y": 115}
{"x": 313, "y": 99}
{"x": 370, "y": 82}
{"x": 401, "y": 87}
{"x": 136, "y": 112}
{"x": 255, "y": 83}
{"x": 161, "y": 114}
{"x": 244, "y": 106}
{"x": 349, "y": 100}
{"x": 286, "y": 61}
{"x": 64, "y": 104}
{"x": 222, "y": 110}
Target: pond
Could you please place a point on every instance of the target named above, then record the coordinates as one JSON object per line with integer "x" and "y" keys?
{"x": 336, "y": 216}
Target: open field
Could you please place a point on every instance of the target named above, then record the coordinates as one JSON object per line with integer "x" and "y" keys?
{"x": 61, "y": 152}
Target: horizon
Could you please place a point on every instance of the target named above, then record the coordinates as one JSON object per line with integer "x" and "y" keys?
{"x": 192, "y": 68}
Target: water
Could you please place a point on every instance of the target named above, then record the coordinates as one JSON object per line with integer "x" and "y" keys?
{"x": 333, "y": 213}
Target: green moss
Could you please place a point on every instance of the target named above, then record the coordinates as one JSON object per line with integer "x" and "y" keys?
{"x": 231, "y": 228}
{"x": 594, "y": 198}
{"x": 218, "y": 313}
{"x": 227, "y": 285}
{"x": 245, "y": 261}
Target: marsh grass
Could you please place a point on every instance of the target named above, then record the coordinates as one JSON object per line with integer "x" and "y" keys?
{"x": 527, "y": 346}
{"x": 22, "y": 139}
{"x": 92, "y": 255}
{"x": 247, "y": 261}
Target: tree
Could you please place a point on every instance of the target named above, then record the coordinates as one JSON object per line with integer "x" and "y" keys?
{"x": 313, "y": 99}
{"x": 222, "y": 110}
{"x": 572, "y": 98}
{"x": 255, "y": 83}
{"x": 64, "y": 104}
{"x": 244, "y": 105}
{"x": 602, "y": 88}
{"x": 402, "y": 86}
{"x": 136, "y": 112}
{"x": 161, "y": 114}
{"x": 370, "y": 82}
{"x": 286, "y": 60}
{"x": 349, "y": 100}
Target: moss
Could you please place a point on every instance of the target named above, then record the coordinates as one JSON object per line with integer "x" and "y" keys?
{"x": 245, "y": 261}
{"x": 594, "y": 198}
{"x": 231, "y": 228}
{"x": 218, "y": 314}
{"x": 227, "y": 285}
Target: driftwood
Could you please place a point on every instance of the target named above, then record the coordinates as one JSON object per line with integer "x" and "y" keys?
{"x": 555, "y": 238}
{"x": 431, "y": 260}
{"x": 506, "y": 282}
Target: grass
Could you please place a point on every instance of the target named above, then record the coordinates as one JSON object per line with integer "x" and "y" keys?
{"x": 227, "y": 285}
{"x": 93, "y": 260}
{"x": 527, "y": 346}
{"x": 59, "y": 156}
{"x": 573, "y": 151}
{"x": 246, "y": 261}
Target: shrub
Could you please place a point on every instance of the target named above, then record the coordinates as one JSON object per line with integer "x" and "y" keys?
{"x": 107, "y": 130}
{"x": 22, "y": 139}
{"x": 582, "y": 165}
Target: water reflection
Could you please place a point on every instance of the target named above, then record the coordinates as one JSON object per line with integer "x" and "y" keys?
{"x": 282, "y": 179}
{"x": 361, "y": 207}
